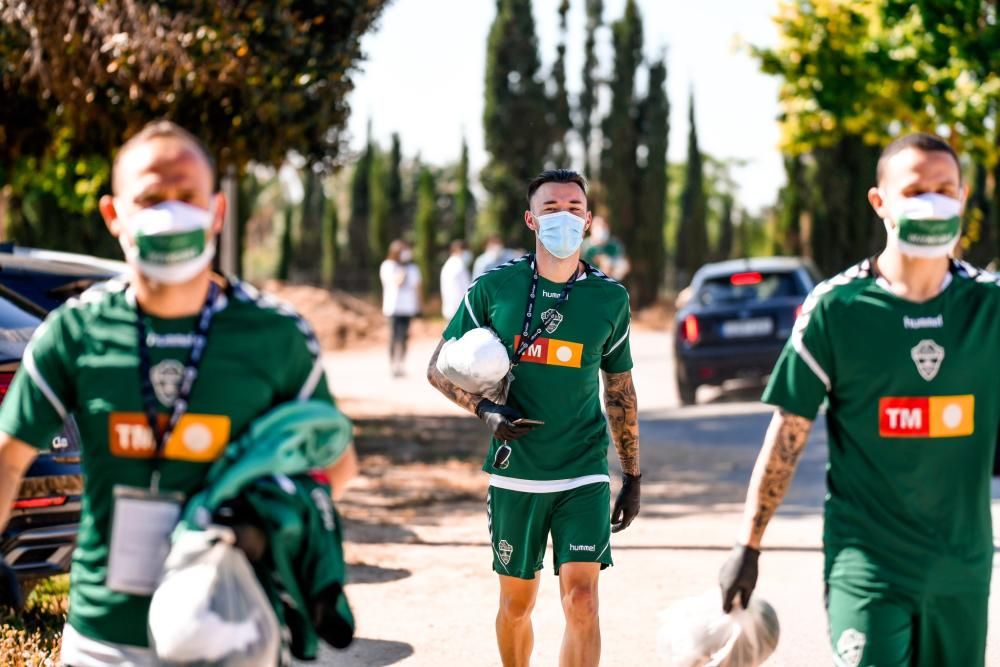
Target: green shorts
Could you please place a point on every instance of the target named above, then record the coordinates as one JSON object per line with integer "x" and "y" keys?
{"x": 880, "y": 625}
{"x": 579, "y": 520}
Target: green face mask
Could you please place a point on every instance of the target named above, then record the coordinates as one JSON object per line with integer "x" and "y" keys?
{"x": 928, "y": 225}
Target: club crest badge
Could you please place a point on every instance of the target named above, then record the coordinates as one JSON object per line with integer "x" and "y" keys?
{"x": 166, "y": 378}
{"x": 557, "y": 319}
{"x": 504, "y": 550}
{"x": 850, "y": 647}
{"x": 927, "y": 355}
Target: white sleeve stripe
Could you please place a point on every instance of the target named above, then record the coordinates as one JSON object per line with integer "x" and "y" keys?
{"x": 800, "y": 348}
{"x": 468, "y": 307}
{"x": 620, "y": 340}
{"x": 28, "y": 362}
{"x": 312, "y": 381}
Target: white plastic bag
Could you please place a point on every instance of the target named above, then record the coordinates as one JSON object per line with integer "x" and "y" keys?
{"x": 695, "y": 632}
{"x": 477, "y": 362}
{"x": 209, "y": 608}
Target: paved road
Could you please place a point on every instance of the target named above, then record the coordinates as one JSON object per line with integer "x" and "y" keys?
{"x": 424, "y": 593}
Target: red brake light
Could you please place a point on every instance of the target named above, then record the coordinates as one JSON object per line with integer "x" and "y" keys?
{"x": 748, "y": 278}
{"x": 31, "y": 503}
{"x": 5, "y": 380}
{"x": 691, "y": 330}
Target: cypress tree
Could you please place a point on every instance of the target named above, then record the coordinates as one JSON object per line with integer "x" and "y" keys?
{"x": 464, "y": 202}
{"x": 726, "y": 231}
{"x": 425, "y": 228}
{"x": 515, "y": 117}
{"x": 397, "y": 206}
{"x": 308, "y": 260}
{"x": 692, "y": 240}
{"x": 379, "y": 207}
{"x": 354, "y": 272}
{"x": 587, "y": 100}
{"x": 285, "y": 254}
{"x": 620, "y": 172}
{"x": 560, "y": 120}
{"x": 647, "y": 249}
{"x": 331, "y": 247}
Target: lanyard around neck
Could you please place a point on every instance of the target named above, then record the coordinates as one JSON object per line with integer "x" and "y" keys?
{"x": 528, "y": 338}
{"x": 180, "y": 406}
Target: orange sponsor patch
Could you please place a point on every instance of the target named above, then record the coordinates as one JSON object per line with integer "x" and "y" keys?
{"x": 198, "y": 438}
{"x": 552, "y": 352}
{"x": 927, "y": 416}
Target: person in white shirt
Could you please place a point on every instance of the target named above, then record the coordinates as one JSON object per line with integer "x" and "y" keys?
{"x": 400, "y": 299}
{"x": 455, "y": 279}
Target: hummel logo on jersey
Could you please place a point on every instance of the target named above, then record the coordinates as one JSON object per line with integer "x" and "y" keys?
{"x": 582, "y": 547}
{"x": 557, "y": 319}
{"x": 166, "y": 378}
{"x": 923, "y": 322}
{"x": 551, "y": 295}
{"x": 927, "y": 355}
{"x": 504, "y": 549}
{"x": 926, "y": 416}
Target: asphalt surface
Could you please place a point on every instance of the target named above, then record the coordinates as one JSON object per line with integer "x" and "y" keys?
{"x": 424, "y": 593}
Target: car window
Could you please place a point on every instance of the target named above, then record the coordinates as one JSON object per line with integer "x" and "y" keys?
{"x": 748, "y": 287}
{"x": 16, "y": 327}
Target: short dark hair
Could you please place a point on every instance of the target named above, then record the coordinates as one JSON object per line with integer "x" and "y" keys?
{"x": 556, "y": 176}
{"x": 921, "y": 141}
{"x": 162, "y": 129}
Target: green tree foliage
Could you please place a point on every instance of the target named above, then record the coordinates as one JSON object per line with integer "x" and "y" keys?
{"x": 464, "y": 202}
{"x": 724, "y": 248}
{"x": 857, "y": 73}
{"x": 692, "y": 236}
{"x": 379, "y": 205}
{"x": 308, "y": 259}
{"x": 648, "y": 252}
{"x": 633, "y": 159}
{"x": 587, "y": 101}
{"x": 331, "y": 244}
{"x": 425, "y": 230}
{"x": 518, "y": 134}
{"x": 355, "y": 268}
{"x": 560, "y": 119}
{"x": 254, "y": 80}
{"x": 397, "y": 205}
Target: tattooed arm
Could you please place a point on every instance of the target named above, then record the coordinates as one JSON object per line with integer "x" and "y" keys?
{"x": 783, "y": 445}
{"x": 453, "y": 392}
{"x": 623, "y": 418}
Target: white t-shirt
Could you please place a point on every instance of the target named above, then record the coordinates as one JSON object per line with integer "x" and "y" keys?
{"x": 454, "y": 283}
{"x": 400, "y": 299}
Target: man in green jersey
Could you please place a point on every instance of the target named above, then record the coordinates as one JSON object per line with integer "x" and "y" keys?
{"x": 905, "y": 349}
{"x": 563, "y": 322}
{"x": 604, "y": 251}
{"x": 176, "y": 347}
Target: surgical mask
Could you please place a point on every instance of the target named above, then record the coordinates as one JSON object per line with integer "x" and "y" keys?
{"x": 169, "y": 242}
{"x": 561, "y": 233}
{"x": 927, "y": 225}
{"x": 406, "y": 256}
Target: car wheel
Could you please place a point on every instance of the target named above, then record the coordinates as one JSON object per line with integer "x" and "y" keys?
{"x": 686, "y": 392}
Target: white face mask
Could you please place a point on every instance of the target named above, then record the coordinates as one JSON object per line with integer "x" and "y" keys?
{"x": 406, "y": 256}
{"x": 561, "y": 233}
{"x": 925, "y": 226}
{"x": 168, "y": 242}
{"x": 599, "y": 235}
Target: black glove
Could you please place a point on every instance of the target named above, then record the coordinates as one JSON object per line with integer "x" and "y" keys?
{"x": 501, "y": 418}
{"x": 626, "y": 504}
{"x": 10, "y": 590}
{"x": 738, "y": 575}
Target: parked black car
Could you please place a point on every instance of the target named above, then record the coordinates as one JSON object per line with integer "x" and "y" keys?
{"x": 735, "y": 319}
{"x": 41, "y": 534}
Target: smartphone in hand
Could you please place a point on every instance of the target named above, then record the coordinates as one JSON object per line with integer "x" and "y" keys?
{"x": 527, "y": 422}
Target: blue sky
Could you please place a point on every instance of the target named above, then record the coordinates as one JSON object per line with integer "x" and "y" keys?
{"x": 423, "y": 77}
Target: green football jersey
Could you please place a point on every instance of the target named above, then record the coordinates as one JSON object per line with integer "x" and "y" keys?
{"x": 914, "y": 410}
{"x": 83, "y": 360}
{"x": 557, "y": 380}
{"x": 612, "y": 248}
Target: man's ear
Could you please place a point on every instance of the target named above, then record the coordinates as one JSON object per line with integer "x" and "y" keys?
{"x": 529, "y": 221}
{"x": 878, "y": 203}
{"x": 221, "y": 204}
{"x": 589, "y": 221}
{"x": 106, "y": 206}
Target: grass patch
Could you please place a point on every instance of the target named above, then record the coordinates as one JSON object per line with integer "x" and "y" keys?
{"x": 31, "y": 638}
